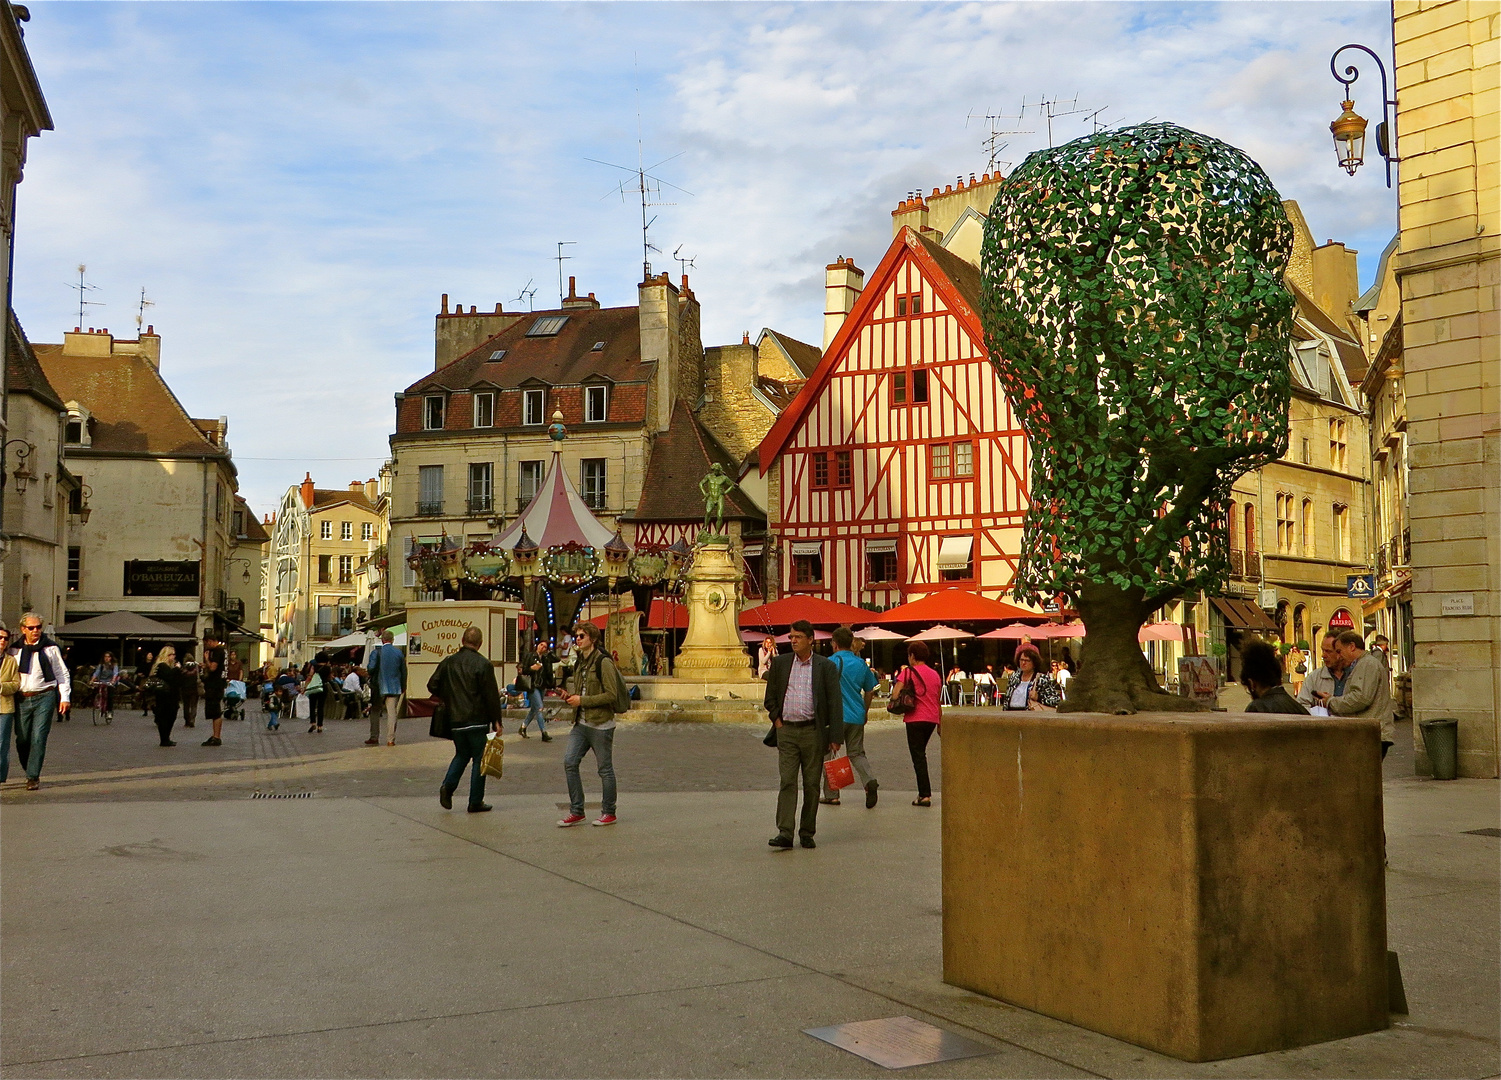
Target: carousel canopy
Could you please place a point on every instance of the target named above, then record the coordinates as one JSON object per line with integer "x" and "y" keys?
{"x": 557, "y": 516}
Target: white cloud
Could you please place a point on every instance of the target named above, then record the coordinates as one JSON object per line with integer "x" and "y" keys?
{"x": 296, "y": 184}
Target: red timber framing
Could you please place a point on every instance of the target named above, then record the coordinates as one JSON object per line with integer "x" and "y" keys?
{"x": 936, "y": 463}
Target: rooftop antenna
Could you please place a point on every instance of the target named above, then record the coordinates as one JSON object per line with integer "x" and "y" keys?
{"x": 141, "y": 310}
{"x": 1000, "y": 126}
{"x": 83, "y": 288}
{"x": 1094, "y": 118}
{"x": 1051, "y": 109}
{"x": 527, "y": 292}
{"x": 646, "y": 185}
{"x": 560, "y": 259}
{"x": 683, "y": 264}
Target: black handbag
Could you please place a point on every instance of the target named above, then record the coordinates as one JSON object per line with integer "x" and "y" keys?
{"x": 904, "y": 696}
{"x": 442, "y": 723}
{"x": 523, "y": 683}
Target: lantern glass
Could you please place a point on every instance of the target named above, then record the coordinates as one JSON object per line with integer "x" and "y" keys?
{"x": 1349, "y": 138}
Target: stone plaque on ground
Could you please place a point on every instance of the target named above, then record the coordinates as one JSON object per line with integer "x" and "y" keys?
{"x": 899, "y": 1042}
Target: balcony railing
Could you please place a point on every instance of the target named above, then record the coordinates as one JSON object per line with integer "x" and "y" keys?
{"x": 1237, "y": 563}
{"x": 429, "y": 509}
{"x": 1253, "y": 566}
{"x": 1407, "y": 546}
{"x": 480, "y": 504}
{"x": 1381, "y": 561}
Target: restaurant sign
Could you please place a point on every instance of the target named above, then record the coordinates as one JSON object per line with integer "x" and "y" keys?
{"x": 153, "y": 578}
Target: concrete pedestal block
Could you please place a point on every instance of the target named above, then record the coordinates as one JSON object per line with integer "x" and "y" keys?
{"x": 1205, "y": 888}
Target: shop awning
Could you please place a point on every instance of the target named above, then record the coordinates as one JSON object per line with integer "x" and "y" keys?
{"x": 1241, "y": 615}
{"x": 124, "y": 624}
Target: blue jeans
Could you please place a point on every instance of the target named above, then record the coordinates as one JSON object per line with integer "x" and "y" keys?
{"x": 583, "y": 739}
{"x": 7, "y": 721}
{"x": 468, "y": 746}
{"x": 34, "y": 716}
{"x": 534, "y": 700}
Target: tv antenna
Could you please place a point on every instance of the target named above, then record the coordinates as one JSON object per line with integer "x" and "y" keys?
{"x": 83, "y": 288}
{"x": 560, "y": 257}
{"x": 1000, "y": 126}
{"x": 1094, "y": 119}
{"x": 647, "y": 186}
{"x": 683, "y": 264}
{"x": 141, "y": 310}
{"x": 1051, "y": 109}
{"x": 527, "y": 292}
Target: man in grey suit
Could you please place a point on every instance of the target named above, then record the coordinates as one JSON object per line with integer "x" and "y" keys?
{"x": 803, "y": 701}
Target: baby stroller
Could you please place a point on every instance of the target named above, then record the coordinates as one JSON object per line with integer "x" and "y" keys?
{"x": 234, "y": 700}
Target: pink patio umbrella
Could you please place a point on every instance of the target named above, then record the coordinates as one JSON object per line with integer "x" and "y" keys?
{"x": 877, "y": 633}
{"x": 1164, "y": 631}
{"x": 753, "y": 635}
{"x": 1013, "y": 632}
{"x": 940, "y": 634}
{"x": 818, "y": 635}
{"x": 1059, "y": 630}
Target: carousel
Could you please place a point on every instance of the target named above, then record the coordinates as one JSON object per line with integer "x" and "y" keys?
{"x": 554, "y": 559}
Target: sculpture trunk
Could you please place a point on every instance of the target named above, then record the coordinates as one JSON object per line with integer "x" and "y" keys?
{"x": 1114, "y": 676}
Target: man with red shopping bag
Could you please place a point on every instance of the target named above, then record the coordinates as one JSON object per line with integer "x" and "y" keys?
{"x": 802, "y": 699}
{"x": 857, "y": 685}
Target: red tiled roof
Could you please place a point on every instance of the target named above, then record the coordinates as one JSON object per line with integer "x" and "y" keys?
{"x": 134, "y": 410}
{"x": 23, "y": 374}
{"x": 324, "y": 498}
{"x": 563, "y": 358}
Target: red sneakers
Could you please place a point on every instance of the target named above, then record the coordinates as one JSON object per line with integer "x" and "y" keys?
{"x": 571, "y": 819}
{"x": 605, "y": 819}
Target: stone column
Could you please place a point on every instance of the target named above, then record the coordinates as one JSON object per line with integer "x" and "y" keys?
{"x": 712, "y": 650}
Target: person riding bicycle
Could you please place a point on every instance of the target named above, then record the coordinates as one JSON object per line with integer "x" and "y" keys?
{"x": 105, "y": 678}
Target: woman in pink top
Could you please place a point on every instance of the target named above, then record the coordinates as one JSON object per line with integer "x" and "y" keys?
{"x": 923, "y": 720}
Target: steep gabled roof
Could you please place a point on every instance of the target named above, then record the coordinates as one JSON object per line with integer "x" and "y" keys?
{"x": 328, "y": 498}
{"x": 681, "y": 456}
{"x": 23, "y": 374}
{"x": 134, "y": 410}
{"x": 803, "y": 356}
{"x": 1351, "y": 356}
{"x": 255, "y": 532}
{"x": 955, "y": 280}
{"x": 564, "y": 358}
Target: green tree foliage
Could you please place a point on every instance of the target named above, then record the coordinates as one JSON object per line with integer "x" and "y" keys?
{"x": 1135, "y": 310}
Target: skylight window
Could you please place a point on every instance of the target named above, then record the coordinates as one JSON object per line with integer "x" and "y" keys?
{"x": 599, "y": 346}
{"x": 547, "y": 326}
{"x": 498, "y": 354}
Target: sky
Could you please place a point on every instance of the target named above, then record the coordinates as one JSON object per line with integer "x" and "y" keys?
{"x": 296, "y": 184}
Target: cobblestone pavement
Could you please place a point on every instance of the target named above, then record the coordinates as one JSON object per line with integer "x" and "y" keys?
{"x": 122, "y": 761}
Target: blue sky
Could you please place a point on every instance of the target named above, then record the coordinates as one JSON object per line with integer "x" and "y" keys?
{"x": 295, "y": 184}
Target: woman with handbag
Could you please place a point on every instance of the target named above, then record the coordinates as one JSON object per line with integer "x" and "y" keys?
{"x": 1029, "y": 687}
{"x": 317, "y": 690}
{"x": 914, "y": 697}
{"x": 165, "y": 683}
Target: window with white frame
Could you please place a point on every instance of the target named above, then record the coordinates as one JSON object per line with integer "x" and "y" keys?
{"x": 432, "y": 412}
{"x": 346, "y": 530}
{"x": 596, "y": 404}
{"x": 325, "y": 530}
{"x": 430, "y": 489}
{"x": 484, "y": 410}
{"x": 346, "y": 569}
{"x": 592, "y": 487}
{"x": 807, "y": 563}
{"x": 531, "y": 480}
{"x": 481, "y": 486}
{"x": 534, "y": 406}
{"x": 367, "y": 530}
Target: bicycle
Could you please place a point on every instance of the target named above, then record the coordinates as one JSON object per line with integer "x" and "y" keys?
{"x": 102, "y": 704}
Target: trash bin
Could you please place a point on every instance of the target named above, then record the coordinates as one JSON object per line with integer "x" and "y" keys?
{"x": 1441, "y": 740}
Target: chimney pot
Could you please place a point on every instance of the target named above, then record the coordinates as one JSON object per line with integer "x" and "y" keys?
{"x": 445, "y": 305}
{"x": 572, "y": 287}
{"x": 745, "y": 338}
{"x": 474, "y": 309}
{"x": 308, "y": 491}
{"x": 150, "y": 329}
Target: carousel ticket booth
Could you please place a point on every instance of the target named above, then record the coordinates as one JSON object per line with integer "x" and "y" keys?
{"x": 435, "y": 629}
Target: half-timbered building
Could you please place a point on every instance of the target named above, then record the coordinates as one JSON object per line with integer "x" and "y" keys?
{"x": 899, "y": 469}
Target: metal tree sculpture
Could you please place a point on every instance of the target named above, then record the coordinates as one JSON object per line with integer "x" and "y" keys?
{"x": 1135, "y": 310}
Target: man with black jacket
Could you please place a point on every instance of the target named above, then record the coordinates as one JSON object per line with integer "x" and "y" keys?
{"x": 804, "y": 703}
{"x": 465, "y": 683}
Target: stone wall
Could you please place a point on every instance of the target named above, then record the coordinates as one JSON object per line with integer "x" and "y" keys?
{"x": 1449, "y": 129}
{"x": 731, "y": 409}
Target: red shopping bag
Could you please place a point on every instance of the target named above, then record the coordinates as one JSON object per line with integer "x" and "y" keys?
{"x": 839, "y": 772}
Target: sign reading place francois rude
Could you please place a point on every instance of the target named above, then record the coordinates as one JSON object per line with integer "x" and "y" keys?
{"x": 150, "y": 578}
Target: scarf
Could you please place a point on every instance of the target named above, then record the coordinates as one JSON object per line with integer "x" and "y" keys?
{"x": 26, "y": 652}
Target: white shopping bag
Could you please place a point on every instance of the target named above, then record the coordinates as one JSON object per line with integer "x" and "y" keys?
{"x": 303, "y": 709}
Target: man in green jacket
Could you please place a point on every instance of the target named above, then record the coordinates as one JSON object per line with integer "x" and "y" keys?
{"x": 594, "y": 685}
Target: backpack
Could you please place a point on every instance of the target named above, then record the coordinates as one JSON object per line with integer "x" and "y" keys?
{"x": 622, "y": 702}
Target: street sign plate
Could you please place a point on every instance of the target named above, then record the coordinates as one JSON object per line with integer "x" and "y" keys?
{"x": 899, "y": 1042}
{"x": 1360, "y": 586}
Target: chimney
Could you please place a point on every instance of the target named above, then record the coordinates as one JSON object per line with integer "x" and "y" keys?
{"x": 372, "y": 490}
{"x": 842, "y": 283}
{"x": 573, "y": 300}
{"x": 1336, "y": 279}
{"x": 658, "y": 314}
{"x": 357, "y": 485}
{"x": 151, "y": 348}
{"x": 89, "y": 343}
{"x": 307, "y": 491}
{"x": 457, "y": 332}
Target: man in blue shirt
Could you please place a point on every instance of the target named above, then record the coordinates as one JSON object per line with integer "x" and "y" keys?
{"x": 857, "y": 685}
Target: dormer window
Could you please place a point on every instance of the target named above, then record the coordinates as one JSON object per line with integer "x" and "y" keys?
{"x": 484, "y": 410}
{"x": 596, "y": 404}
{"x": 534, "y": 406}
{"x": 432, "y": 412}
{"x": 547, "y": 326}
{"x": 498, "y": 354}
{"x": 76, "y": 426}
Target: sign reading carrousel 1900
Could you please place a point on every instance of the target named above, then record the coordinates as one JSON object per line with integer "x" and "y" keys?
{"x": 155, "y": 578}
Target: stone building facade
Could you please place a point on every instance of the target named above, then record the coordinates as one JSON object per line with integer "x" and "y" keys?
{"x": 1449, "y": 217}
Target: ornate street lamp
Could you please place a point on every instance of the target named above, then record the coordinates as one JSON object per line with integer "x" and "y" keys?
{"x": 1349, "y": 127}
{"x": 23, "y": 474}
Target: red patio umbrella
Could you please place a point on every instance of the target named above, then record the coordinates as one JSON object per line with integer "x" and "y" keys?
{"x": 955, "y": 605}
{"x": 817, "y": 610}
